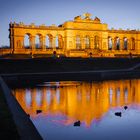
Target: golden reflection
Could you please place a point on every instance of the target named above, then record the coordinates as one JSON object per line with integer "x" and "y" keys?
{"x": 83, "y": 101}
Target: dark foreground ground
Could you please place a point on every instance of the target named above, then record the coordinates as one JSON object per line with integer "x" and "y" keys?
{"x": 8, "y": 129}
{"x": 64, "y": 64}
{"x": 29, "y": 71}
{"x": 26, "y": 71}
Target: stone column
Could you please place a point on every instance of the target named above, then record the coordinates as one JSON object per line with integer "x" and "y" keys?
{"x": 40, "y": 42}
{"x": 53, "y": 43}
{"x": 114, "y": 44}
{"x": 60, "y": 42}
{"x": 32, "y": 43}
{"x": 82, "y": 43}
{"x": 136, "y": 45}
{"x": 100, "y": 43}
{"x": 74, "y": 43}
{"x": 11, "y": 36}
{"x": 91, "y": 43}
{"x": 50, "y": 42}
{"x": 63, "y": 44}
{"x": 44, "y": 43}
{"x": 128, "y": 44}
{"x": 121, "y": 44}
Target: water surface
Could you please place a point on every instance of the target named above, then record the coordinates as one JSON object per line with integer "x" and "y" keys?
{"x": 54, "y": 107}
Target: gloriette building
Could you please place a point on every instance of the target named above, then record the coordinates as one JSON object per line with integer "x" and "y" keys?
{"x": 81, "y": 37}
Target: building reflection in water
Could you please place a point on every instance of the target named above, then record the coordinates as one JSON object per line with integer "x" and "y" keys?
{"x": 82, "y": 101}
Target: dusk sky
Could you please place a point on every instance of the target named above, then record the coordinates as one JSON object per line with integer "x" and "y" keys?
{"x": 116, "y": 13}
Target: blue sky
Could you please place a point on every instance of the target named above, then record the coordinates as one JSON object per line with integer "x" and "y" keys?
{"x": 116, "y": 13}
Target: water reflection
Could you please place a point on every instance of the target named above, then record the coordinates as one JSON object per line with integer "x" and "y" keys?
{"x": 87, "y": 102}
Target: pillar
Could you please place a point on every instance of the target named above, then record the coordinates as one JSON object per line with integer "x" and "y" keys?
{"x": 82, "y": 42}
{"x": 50, "y": 42}
{"x": 11, "y": 40}
{"x": 60, "y": 42}
{"x": 100, "y": 43}
{"x": 41, "y": 42}
{"x": 54, "y": 43}
{"x": 32, "y": 43}
{"x": 44, "y": 43}
{"x": 121, "y": 44}
{"x": 114, "y": 44}
{"x": 128, "y": 44}
{"x": 74, "y": 43}
{"x": 91, "y": 43}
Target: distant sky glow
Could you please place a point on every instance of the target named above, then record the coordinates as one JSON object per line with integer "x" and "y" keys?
{"x": 116, "y": 13}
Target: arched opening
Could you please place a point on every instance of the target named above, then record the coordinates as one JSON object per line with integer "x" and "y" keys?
{"x": 117, "y": 45}
{"x": 78, "y": 42}
{"x": 60, "y": 41}
{"x": 133, "y": 43}
{"x": 125, "y": 43}
{"x": 27, "y": 41}
{"x": 96, "y": 42}
{"x": 49, "y": 40}
{"x": 110, "y": 43}
{"x": 57, "y": 42}
{"x": 38, "y": 41}
{"x": 87, "y": 42}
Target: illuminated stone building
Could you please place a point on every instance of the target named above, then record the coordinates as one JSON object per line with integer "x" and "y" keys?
{"x": 81, "y": 37}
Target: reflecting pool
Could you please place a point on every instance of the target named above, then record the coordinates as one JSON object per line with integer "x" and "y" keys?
{"x": 70, "y": 110}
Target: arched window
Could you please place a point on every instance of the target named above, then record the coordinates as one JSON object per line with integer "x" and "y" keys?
{"x": 87, "y": 42}
{"x": 78, "y": 42}
{"x": 96, "y": 42}
{"x": 26, "y": 41}
{"x": 37, "y": 42}
{"x": 47, "y": 42}
{"x": 133, "y": 43}
{"x": 117, "y": 43}
{"x": 59, "y": 41}
{"x": 110, "y": 43}
{"x": 125, "y": 43}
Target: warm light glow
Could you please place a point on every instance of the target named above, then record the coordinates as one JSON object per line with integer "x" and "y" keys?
{"x": 79, "y": 37}
{"x": 86, "y": 102}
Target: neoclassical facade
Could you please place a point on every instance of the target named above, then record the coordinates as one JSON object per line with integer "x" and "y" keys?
{"x": 81, "y": 37}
